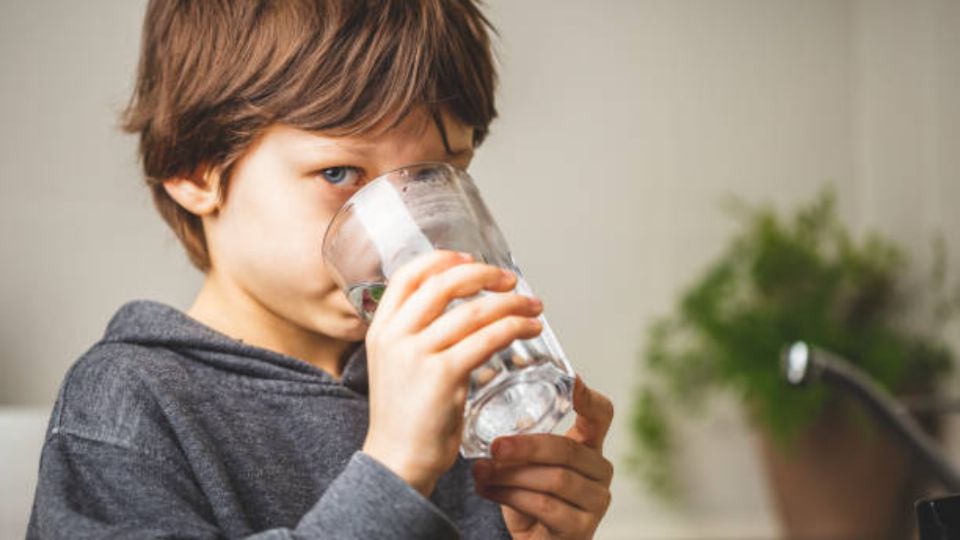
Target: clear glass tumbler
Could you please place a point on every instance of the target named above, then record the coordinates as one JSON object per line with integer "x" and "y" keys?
{"x": 524, "y": 388}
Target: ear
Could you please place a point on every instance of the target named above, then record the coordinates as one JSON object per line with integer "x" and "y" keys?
{"x": 199, "y": 197}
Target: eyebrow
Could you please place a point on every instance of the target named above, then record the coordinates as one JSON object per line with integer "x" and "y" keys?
{"x": 363, "y": 150}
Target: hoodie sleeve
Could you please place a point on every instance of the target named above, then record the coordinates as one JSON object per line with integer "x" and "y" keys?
{"x": 368, "y": 500}
{"x": 92, "y": 488}
{"x": 113, "y": 466}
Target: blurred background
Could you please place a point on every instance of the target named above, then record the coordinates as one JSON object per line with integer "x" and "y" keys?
{"x": 623, "y": 126}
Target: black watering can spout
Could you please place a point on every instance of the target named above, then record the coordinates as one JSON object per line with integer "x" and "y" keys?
{"x": 803, "y": 363}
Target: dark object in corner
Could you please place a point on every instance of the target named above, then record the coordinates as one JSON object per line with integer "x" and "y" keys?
{"x": 939, "y": 519}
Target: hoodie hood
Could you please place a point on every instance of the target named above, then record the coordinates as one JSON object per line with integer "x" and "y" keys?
{"x": 155, "y": 324}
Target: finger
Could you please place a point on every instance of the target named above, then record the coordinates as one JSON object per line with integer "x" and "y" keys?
{"x": 410, "y": 275}
{"x": 437, "y": 291}
{"x": 554, "y": 513}
{"x": 478, "y": 347}
{"x": 470, "y": 316}
{"x": 551, "y": 449}
{"x": 561, "y": 482}
{"x": 594, "y": 415}
{"x": 517, "y": 521}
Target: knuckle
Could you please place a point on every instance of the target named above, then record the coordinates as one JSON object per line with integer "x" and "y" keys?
{"x": 442, "y": 371}
{"x": 545, "y": 505}
{"x": 439, "y": 286}
{"x": 524, "y": 325}
{"x": 473, "y": 310}
{"x": 569, "y": 455}
{"x": 585, "y": 522}
{"x": 410, "y": 270}
{"x": 489, "y": 272}
{"x": 444, "y": 363}
{"x": 460, "y": 396}
{"x": 498, "y": 305}
{"x": 514, "y": 324}
{"x": 559, "y": 479}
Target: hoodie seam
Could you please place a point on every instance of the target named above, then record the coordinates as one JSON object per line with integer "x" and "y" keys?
{"x": 235, "y": 381}
{"x": 116, "y": 442}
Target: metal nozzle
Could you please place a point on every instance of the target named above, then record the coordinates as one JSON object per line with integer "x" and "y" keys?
{"x": 796, "y": 363}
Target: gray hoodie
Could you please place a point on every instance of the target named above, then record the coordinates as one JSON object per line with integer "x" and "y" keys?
{"x": 167, "y": 428}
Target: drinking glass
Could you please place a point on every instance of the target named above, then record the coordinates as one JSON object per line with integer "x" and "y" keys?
{"x": 523, "y": 388}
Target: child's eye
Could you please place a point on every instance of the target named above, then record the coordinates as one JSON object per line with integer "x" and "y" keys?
{"x": 341, "y": 176}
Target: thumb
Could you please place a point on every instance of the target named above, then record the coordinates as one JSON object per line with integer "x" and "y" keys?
{"x": 594, "y": 415}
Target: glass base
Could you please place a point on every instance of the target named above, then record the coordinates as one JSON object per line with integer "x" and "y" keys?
{"x": 533, "y": 400}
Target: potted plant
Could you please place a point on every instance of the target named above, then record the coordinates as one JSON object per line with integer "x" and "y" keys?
{"x": 800, "y": 277}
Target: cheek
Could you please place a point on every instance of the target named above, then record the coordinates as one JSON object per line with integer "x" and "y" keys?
{"x": 275, "y": 239}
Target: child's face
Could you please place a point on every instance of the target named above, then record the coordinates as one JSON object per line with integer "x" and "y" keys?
{"x": 265, "y": 241}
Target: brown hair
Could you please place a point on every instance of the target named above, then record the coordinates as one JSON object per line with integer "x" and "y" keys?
{"x": 214, "y": 74}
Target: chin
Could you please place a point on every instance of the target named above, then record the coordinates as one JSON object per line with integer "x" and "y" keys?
{"x": 353, "y": 328}
{"x": 355, "y": 334}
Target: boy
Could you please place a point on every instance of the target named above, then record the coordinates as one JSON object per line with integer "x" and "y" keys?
{"x": 269, "y": 409}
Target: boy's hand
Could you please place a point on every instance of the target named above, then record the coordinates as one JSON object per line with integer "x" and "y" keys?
{"x": 550, "y": 486}
{"x": 419, "y": 358}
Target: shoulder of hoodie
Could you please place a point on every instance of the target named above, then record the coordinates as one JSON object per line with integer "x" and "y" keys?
{"x": 110, "y": 396}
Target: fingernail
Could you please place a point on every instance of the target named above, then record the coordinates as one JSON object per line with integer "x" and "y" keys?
{"x": 536, "y": 302}
{"x": 502, "y": 448}
{"x": 464, "y": 256}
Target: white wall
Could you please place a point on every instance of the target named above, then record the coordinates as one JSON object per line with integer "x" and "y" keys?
{"x": 623, "y": 125}
{"x": 80, "y": 235}
{"x": 908, "y": 120}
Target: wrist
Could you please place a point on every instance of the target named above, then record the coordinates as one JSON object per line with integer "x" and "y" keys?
{"x": 418, "y": 477}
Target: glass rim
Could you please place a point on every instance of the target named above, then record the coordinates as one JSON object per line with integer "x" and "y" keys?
{"x": 379, "y": 179}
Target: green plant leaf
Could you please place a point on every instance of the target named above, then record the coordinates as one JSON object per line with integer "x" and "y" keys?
{"x": 784, "y": 278}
